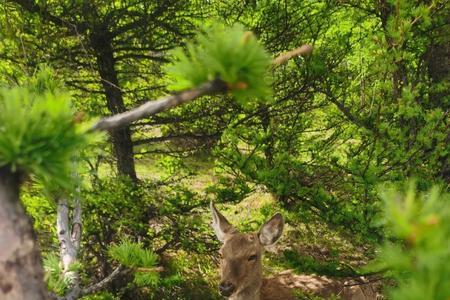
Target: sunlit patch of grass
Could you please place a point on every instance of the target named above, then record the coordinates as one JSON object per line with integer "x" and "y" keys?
{"x": 147, "y": 168}
{"x": 198, "y": 171}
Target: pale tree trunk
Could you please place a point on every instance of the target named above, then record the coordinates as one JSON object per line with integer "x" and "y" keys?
{"x": 21, "y": 273}
{"x": 437, "y": 60}
{"x": 69, "y": 240}
{"x": 69, "y": 236}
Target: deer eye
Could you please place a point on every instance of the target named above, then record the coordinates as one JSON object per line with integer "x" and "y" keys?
{"x": 253, "y": 257}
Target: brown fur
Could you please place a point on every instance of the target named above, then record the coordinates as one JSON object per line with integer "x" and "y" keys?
{"x": 250, "y": 284}
{"x": 272, "y": 289}
{"x": 241, "y": 266}
{"x": 245, "y": 273}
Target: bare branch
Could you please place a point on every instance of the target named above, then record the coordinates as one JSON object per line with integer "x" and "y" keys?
{"x": 159, "y": 58}
{"x": 77, "y": 292}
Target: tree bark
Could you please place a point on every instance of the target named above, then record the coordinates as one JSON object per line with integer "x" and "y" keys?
{"x": 69, "y": 243}
{"x": 121, "y": 137}
{"x": 21, "y": 273}
{"x": 437, "y": 60}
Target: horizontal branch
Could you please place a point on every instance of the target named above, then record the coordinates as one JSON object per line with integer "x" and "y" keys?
{"x": 168, "y": 152}
{"x": 213, "y": 87}
{"x": 154, "y": 107}
{"x": 161, "y": 120}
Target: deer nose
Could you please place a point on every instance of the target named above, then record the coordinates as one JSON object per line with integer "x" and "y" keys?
{"x": 226, "y": 288}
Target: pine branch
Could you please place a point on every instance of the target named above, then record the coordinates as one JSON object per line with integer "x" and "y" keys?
{"x": 208, "y": 88}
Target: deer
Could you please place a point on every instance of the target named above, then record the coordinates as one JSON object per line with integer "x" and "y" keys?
{"x": 241, "y": 259}
{"x": 241, "y": 265}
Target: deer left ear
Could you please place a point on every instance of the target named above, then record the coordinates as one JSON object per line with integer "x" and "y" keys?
{"x": 271, "y": 231}
{"x": 220, "y": 224}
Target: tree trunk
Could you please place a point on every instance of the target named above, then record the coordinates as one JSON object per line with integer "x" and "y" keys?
{"x": 21, "y": 273}
{"x": 437, "y": 59}
{"x": 265, "y": 121}
{"x": 121, "y": 138}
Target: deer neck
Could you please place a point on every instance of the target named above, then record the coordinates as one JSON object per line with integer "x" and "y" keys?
{"x": 252, "y": 292}
{"x": 246, "y": 296}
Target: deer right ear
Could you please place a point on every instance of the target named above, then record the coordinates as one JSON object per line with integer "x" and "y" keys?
{"x": 271, "y": 231}
{"x": 220, "y": 225}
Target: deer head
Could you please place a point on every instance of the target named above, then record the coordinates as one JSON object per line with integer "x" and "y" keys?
{"x": 241, "y": 264}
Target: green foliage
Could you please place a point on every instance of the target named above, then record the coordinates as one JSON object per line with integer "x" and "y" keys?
{"x": 419, "y": 258}
{"x": 117, "y": 202}
{"x": 54, "y": 276}
{"x": 142, "y": 260}
{"x": 56, "y": 282}
{"x": 44, "y": 81}
{"x": 133, "y": 255}
{"x": 37, "y": 132}
{"x": 231, "y": 54}
{"x": 42, "y": 210}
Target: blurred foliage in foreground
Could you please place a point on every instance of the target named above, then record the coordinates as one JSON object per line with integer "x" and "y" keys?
{"x": 231, "y": 54}
{"x": 38, "y": 131}
{"x": 418, "y": 253}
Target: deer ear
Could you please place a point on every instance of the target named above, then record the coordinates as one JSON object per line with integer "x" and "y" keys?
{"x": 220, "y": 225}
{"x": 271, "y": 231}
